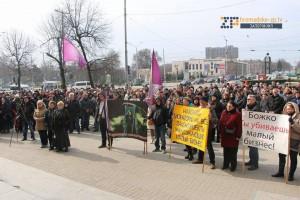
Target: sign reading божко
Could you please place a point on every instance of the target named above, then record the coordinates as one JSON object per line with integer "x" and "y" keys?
{"x": 251, "y": 22}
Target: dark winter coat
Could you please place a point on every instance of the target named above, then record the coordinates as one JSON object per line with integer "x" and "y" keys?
{"x": 61, "y": 120}
{"x": 276, "y": 104}
{"x": 231, "y": 121}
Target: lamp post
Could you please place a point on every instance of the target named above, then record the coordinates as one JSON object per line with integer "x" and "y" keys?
{"x": 267, "y": 60}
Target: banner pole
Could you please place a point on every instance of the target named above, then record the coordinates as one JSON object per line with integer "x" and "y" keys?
{"x": 109, "y": 142}
{"x": 12, "y": 133}
{"x": 243, "y": 163}
{"x": 146, "y": 147}
{"x": 204, "y": 155}
{"x": 288, "y": 158}
{"x": 144, "y": 152}
{"x": 170, "y": 149}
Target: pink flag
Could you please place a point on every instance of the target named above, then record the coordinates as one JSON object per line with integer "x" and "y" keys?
{"x": 155, "y": 80}
{"x": 71, "y": 53}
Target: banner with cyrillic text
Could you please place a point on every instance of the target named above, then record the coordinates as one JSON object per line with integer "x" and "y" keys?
{"x": 266, "y": 131}
{"x": 190, "y": 126}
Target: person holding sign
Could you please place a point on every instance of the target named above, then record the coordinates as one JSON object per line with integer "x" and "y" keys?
{"x": 231, "y": 131}
{"x": 253, "y": 151}
{"x": 292, "y": 110}
{"x": 212, "y": 120}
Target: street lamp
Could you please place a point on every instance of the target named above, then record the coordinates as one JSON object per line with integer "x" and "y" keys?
{"x": 267, "y": 60}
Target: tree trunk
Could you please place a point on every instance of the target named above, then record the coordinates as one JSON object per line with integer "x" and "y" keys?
{"x": 19, "y": 77}
{"x": 61, "y": 66}
{"x": 87, "y": 65}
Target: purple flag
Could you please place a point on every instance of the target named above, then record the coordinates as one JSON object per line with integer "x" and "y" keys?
{"x": 71, "y": 53}
{"x": 155, "y": 80}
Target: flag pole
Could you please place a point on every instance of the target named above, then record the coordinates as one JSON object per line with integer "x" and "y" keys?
{"x": 288, "y": 158}
{"x": 243, "y": 163}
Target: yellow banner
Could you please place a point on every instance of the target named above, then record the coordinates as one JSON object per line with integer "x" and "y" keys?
{"x": 190, "y": 126}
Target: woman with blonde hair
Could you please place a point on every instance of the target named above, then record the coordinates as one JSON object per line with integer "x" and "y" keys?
{"x": 40, "y": 125}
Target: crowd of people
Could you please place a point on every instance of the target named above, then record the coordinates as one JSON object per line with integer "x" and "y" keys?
{"x": 56, "y": 114}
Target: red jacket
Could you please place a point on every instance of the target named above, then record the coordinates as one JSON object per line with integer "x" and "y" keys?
{"x": 233, "y": 122}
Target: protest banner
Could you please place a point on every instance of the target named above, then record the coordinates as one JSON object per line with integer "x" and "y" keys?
{"x": 190, "y": 126}
{"x": 127, "y": 119}
{"x": 266, "y": 131}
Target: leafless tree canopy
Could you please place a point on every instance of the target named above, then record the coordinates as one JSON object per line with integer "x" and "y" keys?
{"x": 18, "y": 49}
{"x": 87, "y": 26}
{"x": 142, "y": 59}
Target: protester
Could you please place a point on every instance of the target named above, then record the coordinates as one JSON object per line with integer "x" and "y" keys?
{"x": 86, "y": 107}
{"x": 6, "y": 115}
{"x": 231, "y": 131}
{"x": 252, "y": 105}
{"x": 61, "y": 120}
{"x": 27, "y": 111}
{"x": 292, "y": 110}
{"x": 74, "y": 111}
{"x": 39, "y": 117}
{"x": 212, "y": 120}
{"x": 101, "y": 117}
{"x": 49, "y": 123}
{"x": 159, "y": 117}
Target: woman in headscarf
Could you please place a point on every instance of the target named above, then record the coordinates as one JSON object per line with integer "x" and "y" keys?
{"x": 292, "y": 110}
{"x": 61, "y": 120}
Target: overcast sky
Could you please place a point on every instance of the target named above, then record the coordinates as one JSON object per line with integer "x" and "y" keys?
{"x": 182, "y": 27}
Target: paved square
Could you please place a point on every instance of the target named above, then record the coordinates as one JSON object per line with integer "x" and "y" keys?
{"x": 126, "y": 172}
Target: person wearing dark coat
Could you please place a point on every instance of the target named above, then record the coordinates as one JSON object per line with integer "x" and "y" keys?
{"x": 101, "y": 117}
{"x": 61, "y": 120}
{"x": 159, "y": 117}
{"x": 49, "y": 123}
{"x": 74, "y": 111}
{"x": 230, "y": 126}
{"x": 264, "y": 103}
{"x": 86, "y": 109}
{"x": 218, "y": 108}
{"x": 6, "y": 114}
{"x": 240, "y": 100}
{"x": 27, "y": 111}
{"x": 252, "y": 105}
{"x": 276, "y": 102}
{"x": 213, "y": 121}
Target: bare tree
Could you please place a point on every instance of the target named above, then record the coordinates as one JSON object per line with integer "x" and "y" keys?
{"x": 18, "y": 48}
{"x": 52, "y": 31}
{"x": 142, "y": 59}
{"x": 87, "y": 29}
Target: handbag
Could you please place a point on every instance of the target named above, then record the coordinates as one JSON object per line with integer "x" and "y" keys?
{"x": 229, "y": 131}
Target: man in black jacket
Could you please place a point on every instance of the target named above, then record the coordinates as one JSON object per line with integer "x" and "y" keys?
{"x": 159, "y": 117}
{"x": 74, "y": 110}
{"x": 252, "y": 105}
{"x": 85, "y": 105}
{"x": 27, "y": 118}
{"x": 276, "y": 102}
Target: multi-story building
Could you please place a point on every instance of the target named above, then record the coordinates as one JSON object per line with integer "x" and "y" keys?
{"x": 178, "y": 67}
{"x": 196, "y": 68}
{"x": 220, "y": 52}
